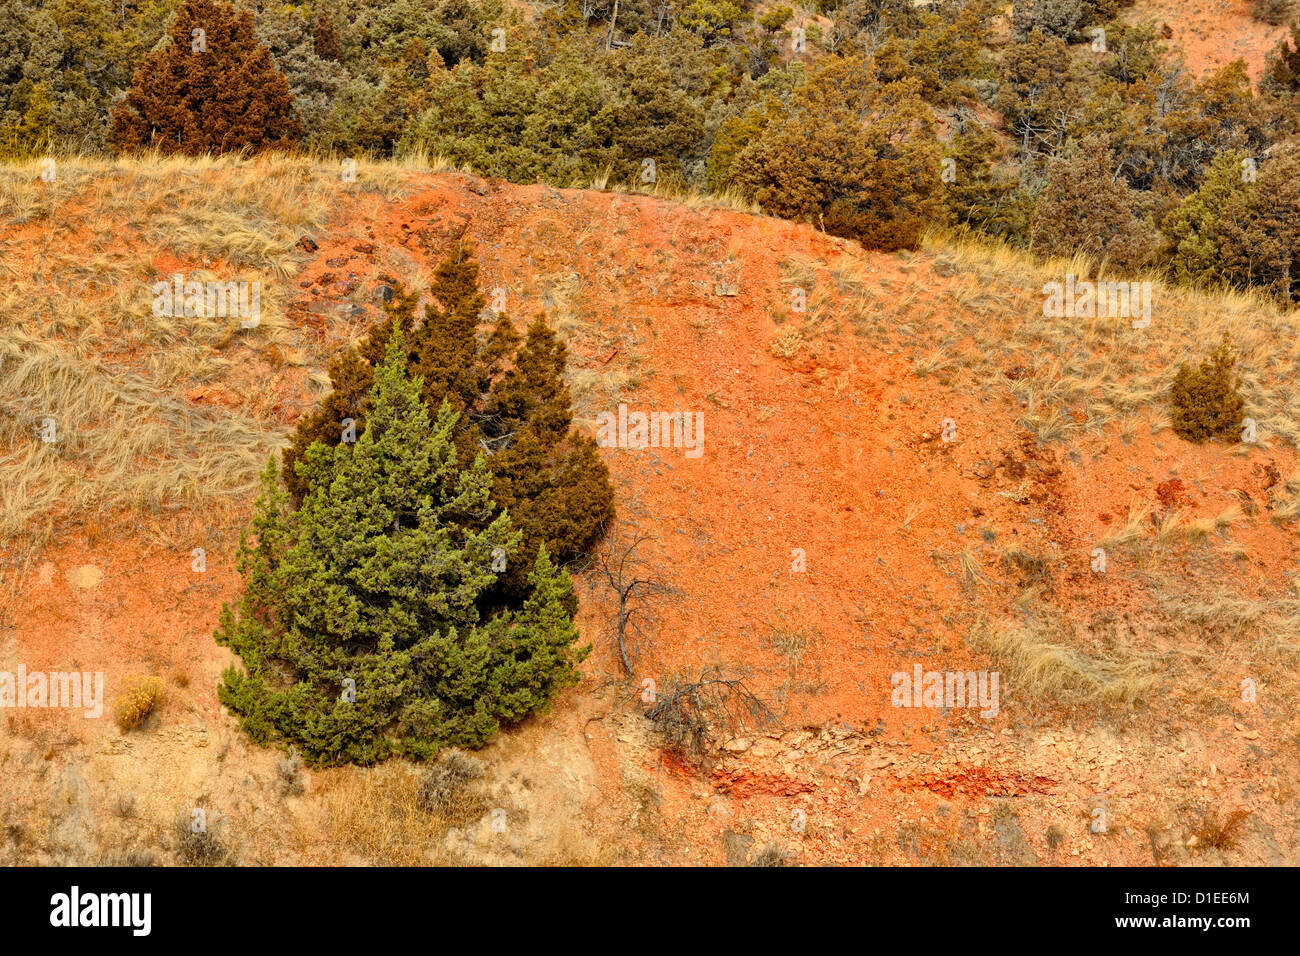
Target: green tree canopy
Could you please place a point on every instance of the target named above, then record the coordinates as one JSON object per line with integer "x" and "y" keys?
{"x": 360, "y": 628}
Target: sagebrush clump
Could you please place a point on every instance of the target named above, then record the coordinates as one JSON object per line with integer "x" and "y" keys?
{"x": 289, "y": 772}
{"x": 1206, "y": 401}
{"x": 196, "y": 843}
{"x": 448, "y": 790}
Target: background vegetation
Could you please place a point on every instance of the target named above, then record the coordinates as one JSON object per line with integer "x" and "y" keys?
{"x": 868, "y": 118}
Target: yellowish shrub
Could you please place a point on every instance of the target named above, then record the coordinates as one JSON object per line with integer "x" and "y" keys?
{"x": 143, "y": 696}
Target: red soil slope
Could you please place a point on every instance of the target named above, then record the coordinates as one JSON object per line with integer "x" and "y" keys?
{"x": 829, "y": 449}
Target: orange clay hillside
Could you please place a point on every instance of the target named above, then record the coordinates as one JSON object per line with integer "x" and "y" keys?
{"x": 1213, "y": 34}
{"x": 906, "y": 467}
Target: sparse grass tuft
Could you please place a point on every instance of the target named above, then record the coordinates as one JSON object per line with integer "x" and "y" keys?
{"x": 1286, "y": 499}
{"x": 1131, "y": 531}
{"x": 772, "y": 854}
{"x": 1220, "y": 835}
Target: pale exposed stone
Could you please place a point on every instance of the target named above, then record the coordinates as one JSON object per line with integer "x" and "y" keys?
{"x": 85, "y": 576}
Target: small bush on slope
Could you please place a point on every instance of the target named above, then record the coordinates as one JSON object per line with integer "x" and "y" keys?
{"x": 448, "y": 788}
{"x": 1282, "y": 68}
{"x": 359, "y": 628}
{"x": 143, "y": 696}
{"x": 1085, "y": 209}
{"x": 1274, "y": 12}
{"x": 1205, "y": 402}
{"x": 1260, "y": 230}
{"x": 1195, "y": 228}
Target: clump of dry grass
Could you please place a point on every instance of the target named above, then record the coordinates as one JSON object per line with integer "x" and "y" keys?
{"x": 1286, "y": 499}
{"x": 1131, "y": 531}
{"x": 1043, "y": 667}
{"x": 596, "y": 391}
{"x": 789, "y": 642}
{"x": 788, "y": 344}
{"x": 1200, "y": 529}
{"x": 772, "y": 854}
{"x": 197, "y": 844}
{"x": 142, "y": 697}
{"x": 972, "y": 573}
{"x": 450, "y": 788}
{"x": 1217, "y": 613}
{"x": 376, "y": 814}
{"x": 1029, "y": 570}
{"x": 385, "y": 815}
{"x": 1216, "y": 834}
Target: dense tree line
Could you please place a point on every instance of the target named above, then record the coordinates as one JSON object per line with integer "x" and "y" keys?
{"x": 1059, "y": 127}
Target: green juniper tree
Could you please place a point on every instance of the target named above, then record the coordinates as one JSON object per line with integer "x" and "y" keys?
{"x": 513, "y": 402}
{"x": 360, "y": 628}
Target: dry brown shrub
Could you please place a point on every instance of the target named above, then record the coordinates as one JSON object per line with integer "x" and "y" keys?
{"x": 143, "y": 696}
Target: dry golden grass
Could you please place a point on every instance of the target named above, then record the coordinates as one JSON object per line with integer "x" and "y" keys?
{"x": 81, "y": 349}
{"x": 374, "y": 815}
{"x": 1218, "y": 613}
{"x": 971, "y": 571}
{"x": 1131, "y": 531}
{"x": 788, "y": 344}
{"x": 1286, "y": 498}
{"x": 1044, "y": 668}
{"x": 1103, "y": 367}
{"x": 729, "y": 199}
{"x": 1199, "y": 529}
{"x": 120, "y": 441}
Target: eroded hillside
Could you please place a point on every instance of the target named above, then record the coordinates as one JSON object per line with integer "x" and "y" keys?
{"x": 904, "y": 462}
